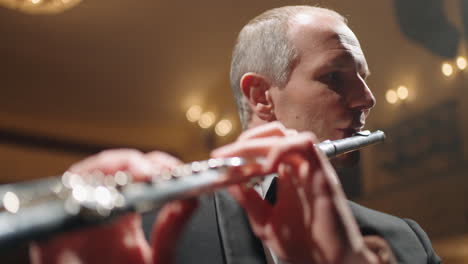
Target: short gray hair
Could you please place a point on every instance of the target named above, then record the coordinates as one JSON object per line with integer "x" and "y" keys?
{"x": 263, "y": 47}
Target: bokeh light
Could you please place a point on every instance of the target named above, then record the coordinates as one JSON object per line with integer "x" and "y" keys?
{"x": 391, "y": 96}
{"x": 223, "y": 127}
{"x": 207, "y": 119}
{"x": 447, "y": 69}
{"x": 461, "y": 63}
{"x": 402, "y": 92}
{"x": 194, "y": 113}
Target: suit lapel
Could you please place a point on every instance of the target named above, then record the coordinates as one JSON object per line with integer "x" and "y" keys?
{"x": 200, "y": 242}
{"x": 239, "y": 244}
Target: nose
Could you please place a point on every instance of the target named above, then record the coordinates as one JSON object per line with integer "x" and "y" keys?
{"x": 360, "y": 97}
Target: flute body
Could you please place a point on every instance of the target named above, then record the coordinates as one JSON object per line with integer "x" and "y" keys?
{"x": 64, "y": 203}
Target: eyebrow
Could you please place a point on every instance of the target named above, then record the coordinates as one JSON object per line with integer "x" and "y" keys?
{"x": 342, "y": 61}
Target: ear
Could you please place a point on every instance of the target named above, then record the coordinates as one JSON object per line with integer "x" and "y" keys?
{"x": 256, "y": 88}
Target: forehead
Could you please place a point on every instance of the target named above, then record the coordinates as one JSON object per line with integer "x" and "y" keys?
{"x": 321, "y": 35}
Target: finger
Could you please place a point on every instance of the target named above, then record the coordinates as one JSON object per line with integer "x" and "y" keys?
{"x": 120, "y": 241}
{"x": 258, "y": 210}
{"x": 162, "y": 162}
{"x": 168, "y": 228}
{"x": 252, "y": 148}
{"x": 262, "y": 146}
{"x": 111, "y": 161}
{"x": 293, "y": 212}
{"x": 338, "y": 227}
{"x": 291, "y": 132}
{"x": 163, "y": 159}
{"x": 380, "y": 248}
{"x": 267, "y": 130}
{"x": 302, "y": 143}
{"x": 104, "y": 159}
{"x": 123, "y": 241}
{"x": 291, "y": 194}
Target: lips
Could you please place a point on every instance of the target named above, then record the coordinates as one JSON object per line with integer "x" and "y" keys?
{"x": 349, "y": 131}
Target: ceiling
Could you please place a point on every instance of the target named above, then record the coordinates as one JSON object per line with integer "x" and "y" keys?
{"x": 124, "y": 72}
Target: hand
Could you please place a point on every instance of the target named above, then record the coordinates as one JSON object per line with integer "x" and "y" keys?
{"x": 310, "y": 221}
{"x": 381, "y": 249}
{"x": 122, "y": 240}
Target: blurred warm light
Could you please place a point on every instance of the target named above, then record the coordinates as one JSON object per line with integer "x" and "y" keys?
{"x": 402, "y": 92}
{"x": 194, "y": 113}
{"x": 391, "y": 96}
{"x": 11, "y": 202}
{"x": 206, "y": 120}
{"x": 461, "y": 63}
{"x": 39, "y": 6}
{"x": 223, "y": 127}
{"x": 447, "y": 69}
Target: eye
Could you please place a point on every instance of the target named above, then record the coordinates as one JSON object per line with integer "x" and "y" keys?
{"x": 332, "y": 78}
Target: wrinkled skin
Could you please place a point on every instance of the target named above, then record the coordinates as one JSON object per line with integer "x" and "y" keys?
{"x": 122, "y": 240}
{"x": 310, "y": 221}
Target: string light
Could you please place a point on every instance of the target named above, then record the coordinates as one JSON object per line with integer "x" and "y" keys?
{"x": 447, "y": 69}
{"x": 223, "y": 127}
{"x": 391, "y": 96}
{"x": 402, "y": 92}
{"x": 461, "y": 63}
{"x": 40, "y": 6}
{"x": 206, "y": 120}
{"x": 194, "y": 113}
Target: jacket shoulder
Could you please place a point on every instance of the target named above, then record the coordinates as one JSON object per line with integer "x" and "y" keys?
{"x": 409, "y": 242}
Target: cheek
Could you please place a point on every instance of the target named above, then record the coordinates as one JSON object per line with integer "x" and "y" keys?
{"x": 323, "y": 105}
{"x": 309, "y": 107}
{"x": 305, "y": 111}
{"x": 321, "y": 115}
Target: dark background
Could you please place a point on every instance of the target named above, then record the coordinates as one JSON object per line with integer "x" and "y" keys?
{"x": 123, "y": 73}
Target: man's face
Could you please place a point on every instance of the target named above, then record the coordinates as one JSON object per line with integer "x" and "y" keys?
{"x": 326, "y": 93}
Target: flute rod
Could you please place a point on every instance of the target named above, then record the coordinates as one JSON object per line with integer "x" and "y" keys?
{"x": 190, "y": 180}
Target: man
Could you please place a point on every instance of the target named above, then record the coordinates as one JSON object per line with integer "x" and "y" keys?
{"x": 302, "y": 67}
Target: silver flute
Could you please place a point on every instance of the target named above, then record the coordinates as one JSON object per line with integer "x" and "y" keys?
{"x": 37, "y": 209}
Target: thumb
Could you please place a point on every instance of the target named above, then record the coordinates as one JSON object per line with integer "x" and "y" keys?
{"x": 381, "y": 249}
{"x": 168, "y": 228}
{"x": 258, "y": 210}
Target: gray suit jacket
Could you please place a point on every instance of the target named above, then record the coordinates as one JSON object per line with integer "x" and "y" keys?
{"x": 219, "y": 232}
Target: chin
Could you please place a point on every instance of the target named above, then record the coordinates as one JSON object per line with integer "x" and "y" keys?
{"x": 347, "y": 160}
